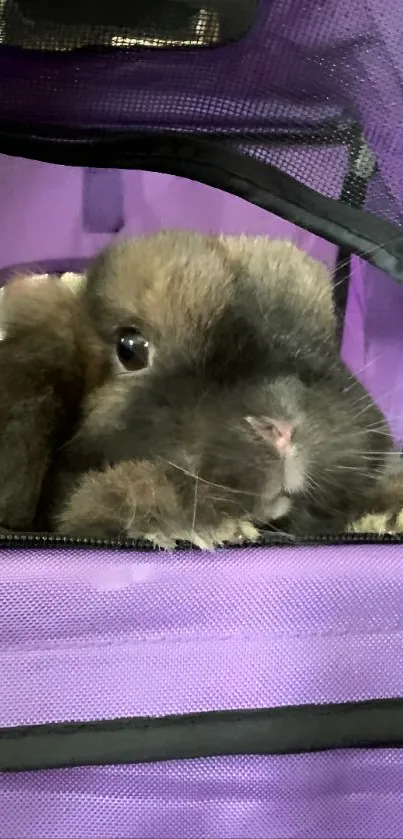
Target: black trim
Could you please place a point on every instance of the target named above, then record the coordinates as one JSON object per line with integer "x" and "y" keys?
{"x": 353, "y": 193}
{"x": 212, "y": 162}
{"x": 287, "y": 730}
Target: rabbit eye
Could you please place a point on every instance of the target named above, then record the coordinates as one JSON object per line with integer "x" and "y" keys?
{"x": 132, "y": 349}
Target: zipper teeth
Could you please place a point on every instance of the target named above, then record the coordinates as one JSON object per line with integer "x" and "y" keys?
{"x": 38, "y": 540}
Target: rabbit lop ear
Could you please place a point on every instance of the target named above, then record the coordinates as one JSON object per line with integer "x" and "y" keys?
{"x": 27, "y": 427}
{"x": 278, "y": 263}
{"x": 40, "y": 387}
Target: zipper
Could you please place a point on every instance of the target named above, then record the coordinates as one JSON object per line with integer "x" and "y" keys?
{"x": 268, "y": 539}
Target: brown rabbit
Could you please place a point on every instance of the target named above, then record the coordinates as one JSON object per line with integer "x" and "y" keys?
{"x": 228, "y": 406}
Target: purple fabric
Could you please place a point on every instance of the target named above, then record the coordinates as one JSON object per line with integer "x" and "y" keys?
{"x": 32, "y": 190}
{"x": 345, "y": 795}
{"x": 102, "y": 634}
{"x": 103, "y": 201}
{"x": 290, "y": 626}
{"x": 373, "y": 339}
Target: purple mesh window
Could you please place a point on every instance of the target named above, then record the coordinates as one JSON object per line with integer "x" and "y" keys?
{"x": 302, "y": 75}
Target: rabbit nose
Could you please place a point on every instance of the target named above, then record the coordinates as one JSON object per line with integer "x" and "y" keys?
{"x": 276, "y": 432}
{"x": 282, "y": 435}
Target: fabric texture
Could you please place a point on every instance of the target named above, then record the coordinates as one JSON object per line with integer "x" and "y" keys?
{"x": 343, "y": 795}
{"x": 102, "y": 634}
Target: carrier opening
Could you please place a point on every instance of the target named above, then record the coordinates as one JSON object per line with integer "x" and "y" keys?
{"x": 190, "y": 206}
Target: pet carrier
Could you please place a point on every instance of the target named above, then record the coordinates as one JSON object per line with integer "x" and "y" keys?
{"x": 251, "y": 692}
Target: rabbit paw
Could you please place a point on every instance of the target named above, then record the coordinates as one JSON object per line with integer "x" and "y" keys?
{"x": 379, "y": 523}
{"x": 135, "y": 500}
{"x": 229, "y": 531}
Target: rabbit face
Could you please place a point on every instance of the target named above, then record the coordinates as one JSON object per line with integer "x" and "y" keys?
{"x": 227, "y": 390}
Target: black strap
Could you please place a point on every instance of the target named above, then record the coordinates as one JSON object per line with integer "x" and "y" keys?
{"x": 210, "y": 161}
{"x": 287, "y": 730}
{"x": 362, "y": 166}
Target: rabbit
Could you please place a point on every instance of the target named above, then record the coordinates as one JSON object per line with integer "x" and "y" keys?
{"x": 226, "y": 407}
{"x": 44, "y": 373}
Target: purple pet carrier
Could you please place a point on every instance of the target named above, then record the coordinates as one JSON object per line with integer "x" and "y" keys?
{"x": 251, "y": 693}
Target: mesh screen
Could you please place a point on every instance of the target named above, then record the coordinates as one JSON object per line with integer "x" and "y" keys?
{"x": 304, "y": 76}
